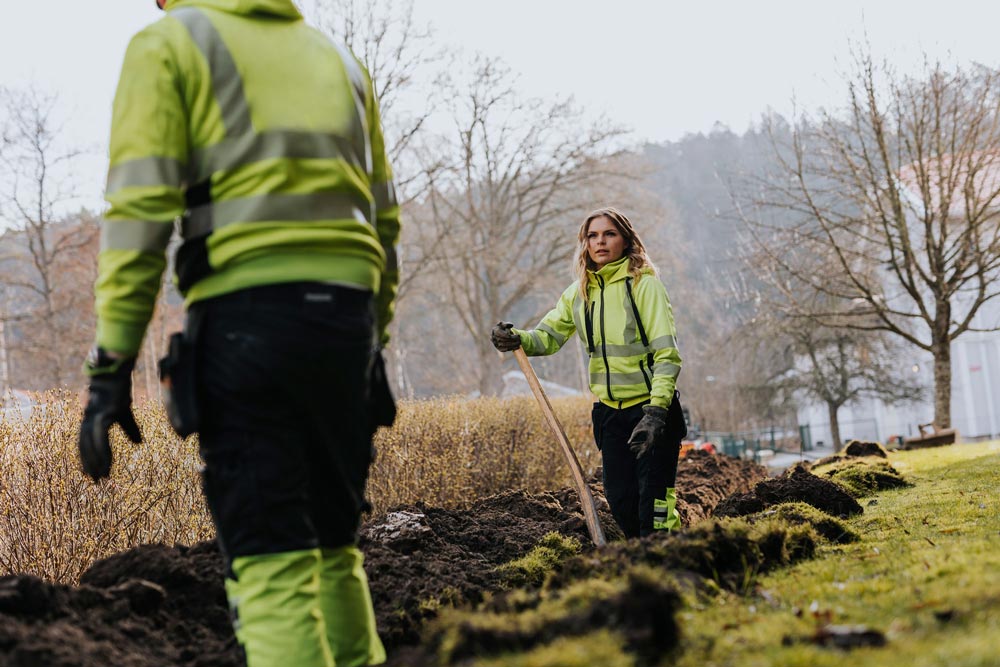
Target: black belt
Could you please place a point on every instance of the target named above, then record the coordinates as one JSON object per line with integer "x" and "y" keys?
{"x": 295, "y": 292}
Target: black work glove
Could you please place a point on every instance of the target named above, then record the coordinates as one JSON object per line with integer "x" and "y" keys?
{"x": 503, "y": 338}
{"x": 652, "y": 428}
{"x": 110, "y": 403}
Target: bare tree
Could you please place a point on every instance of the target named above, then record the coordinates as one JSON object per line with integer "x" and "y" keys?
{"x": 41, "y": 270}
{"x": 902, "y": 193}
{"x": 797, "y": 359}
{"x": 404, "y": 62}
{"x": 506, "y": 190}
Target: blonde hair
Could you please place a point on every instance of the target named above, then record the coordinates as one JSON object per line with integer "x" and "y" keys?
{"x": 638, "y": 260}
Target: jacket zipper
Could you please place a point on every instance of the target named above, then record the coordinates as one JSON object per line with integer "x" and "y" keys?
{"x": 604, "y": 349}
{"x": 642, "y": 367}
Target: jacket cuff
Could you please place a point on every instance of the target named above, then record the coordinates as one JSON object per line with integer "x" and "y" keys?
{"x": 125, "y": 338}
{"x": 660, "y": 401}
{"x": 525, "y": 339}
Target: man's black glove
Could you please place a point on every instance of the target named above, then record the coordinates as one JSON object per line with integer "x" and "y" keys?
{"x": 110, "y": 403}
{"x": 652, "y": 428}
{"x": 503, "y": 338}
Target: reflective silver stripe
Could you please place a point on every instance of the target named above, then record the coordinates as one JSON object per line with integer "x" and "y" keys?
{"x": 146, "y": 171}
{"x": 141, "y": 235}
{"x": 631, "y": 331}
{"x": 226, "y": 81}
{"x": 578, "y": 316}
{"x": 663, "y": 342}
{"x": 240, "y": 151}
{"x": 667, "y": 368}
{"x": 619, "y": 379}
{"x": 536, "y": 341}
{"x": 353, "y": 70}
{"x": 359, "y": 87}
{"x": 638, "y": 349}
{"x": 560, "y": 339}
{"x": 309, "y": 207}
{"x": 631, "y": 350}
{"x": 385, "y": 196}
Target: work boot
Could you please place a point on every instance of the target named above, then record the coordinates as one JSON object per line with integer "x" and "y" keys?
{"x": 665, "y": 516}
{"x": 276, "y": 610}
{"x": 347, "y": 609}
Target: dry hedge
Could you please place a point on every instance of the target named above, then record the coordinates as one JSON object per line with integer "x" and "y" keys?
{"x": 54, "y": 522}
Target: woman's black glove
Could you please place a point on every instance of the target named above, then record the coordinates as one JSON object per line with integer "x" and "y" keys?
{"x": 503, "y": 338}
{"x": 652, "y": 428}
{"x": 110, "y": 403}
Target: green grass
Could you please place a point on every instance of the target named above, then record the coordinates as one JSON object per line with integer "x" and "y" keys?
{"x": 532, "y": 568}
{"x": 602, "y": 648}
{"x": 934, "y": 547}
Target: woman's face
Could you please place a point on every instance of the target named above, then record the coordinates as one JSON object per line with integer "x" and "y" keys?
{"x": 605, "y": 244}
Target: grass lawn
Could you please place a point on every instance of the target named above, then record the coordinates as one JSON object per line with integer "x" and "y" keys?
{"x": 926, "y": 573}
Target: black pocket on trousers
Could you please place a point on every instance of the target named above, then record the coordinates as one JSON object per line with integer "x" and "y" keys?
{"x": 676, "y": 426}
{"x": 179, "y": 380}
{"x": 597, "y": 419}
{"x": 382, "y": 404}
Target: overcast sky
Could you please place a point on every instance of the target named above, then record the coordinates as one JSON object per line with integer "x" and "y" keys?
{"x": 663, "y": 68}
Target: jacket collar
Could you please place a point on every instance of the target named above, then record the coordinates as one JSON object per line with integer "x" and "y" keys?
{"x": 613, "y": 272}
{"x": 280, "y": 8}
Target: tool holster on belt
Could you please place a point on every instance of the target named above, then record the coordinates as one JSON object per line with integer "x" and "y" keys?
{"x": 179, "y": 379}
{"x": 382, "y": 404}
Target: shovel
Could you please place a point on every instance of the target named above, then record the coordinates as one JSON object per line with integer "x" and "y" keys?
{"x": 586, "y": 499}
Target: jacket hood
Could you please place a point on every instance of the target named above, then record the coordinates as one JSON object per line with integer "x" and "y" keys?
{"x": 280, "y": 8}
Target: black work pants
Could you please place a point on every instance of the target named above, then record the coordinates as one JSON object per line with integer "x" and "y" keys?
{"x": 631, "y": 484}
{"x": 283, "y": 393}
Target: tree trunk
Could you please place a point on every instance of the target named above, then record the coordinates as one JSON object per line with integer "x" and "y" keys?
{"x": 490, "y": 371}
{"x": 942, "y": 383}
{"x": 834, "y": 426}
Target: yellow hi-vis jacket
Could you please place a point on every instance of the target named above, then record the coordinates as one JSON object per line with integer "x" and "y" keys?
{"x": 261, "y": 138}
{"x": 623, "y": 370}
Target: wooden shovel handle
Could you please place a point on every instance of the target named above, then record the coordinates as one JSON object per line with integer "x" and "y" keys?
{"x": 586, "y": 498}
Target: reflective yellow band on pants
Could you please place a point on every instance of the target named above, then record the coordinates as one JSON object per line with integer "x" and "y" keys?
{"x": 665, "y": 516}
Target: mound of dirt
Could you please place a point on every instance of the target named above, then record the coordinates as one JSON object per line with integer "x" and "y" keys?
{"x": 828, "y": 527}
{"x": 796, "y": 485}
{"x": 641, "y": 608}
{"x": 449, "y": 556}
{"x": 862, "y": 477}
{"x": 865, "y": 448}
{"x": 723, "y": 551}
{"x": 704, "y": 480}
{"x": 147, "y": 607}
{"x": 158, "y": 605}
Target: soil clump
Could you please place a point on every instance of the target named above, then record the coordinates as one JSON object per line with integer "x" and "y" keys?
{"x": 865, "y": 448}
{"x": 796, "y": 485}
{"x": 145, "y": 607}
{"x": 704, "y": 480}
{"x": 862, "y": 477}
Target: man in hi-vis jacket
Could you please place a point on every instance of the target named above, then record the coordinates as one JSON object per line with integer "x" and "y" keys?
{"x": 261, "y": 140}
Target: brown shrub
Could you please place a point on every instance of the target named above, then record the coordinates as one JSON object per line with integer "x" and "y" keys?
{"x": 55, "y": 522}
{"x": 448, "y": 452}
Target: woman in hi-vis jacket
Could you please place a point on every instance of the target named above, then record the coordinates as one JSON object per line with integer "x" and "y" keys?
{"x": 620, "y": 309}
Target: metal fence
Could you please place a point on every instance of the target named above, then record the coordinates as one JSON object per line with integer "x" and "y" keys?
{"x": 748, "y": 444}
{"x": 855, "y": 429}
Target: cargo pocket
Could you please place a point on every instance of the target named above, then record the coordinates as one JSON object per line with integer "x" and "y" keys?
{"x": 597, "y": 419}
